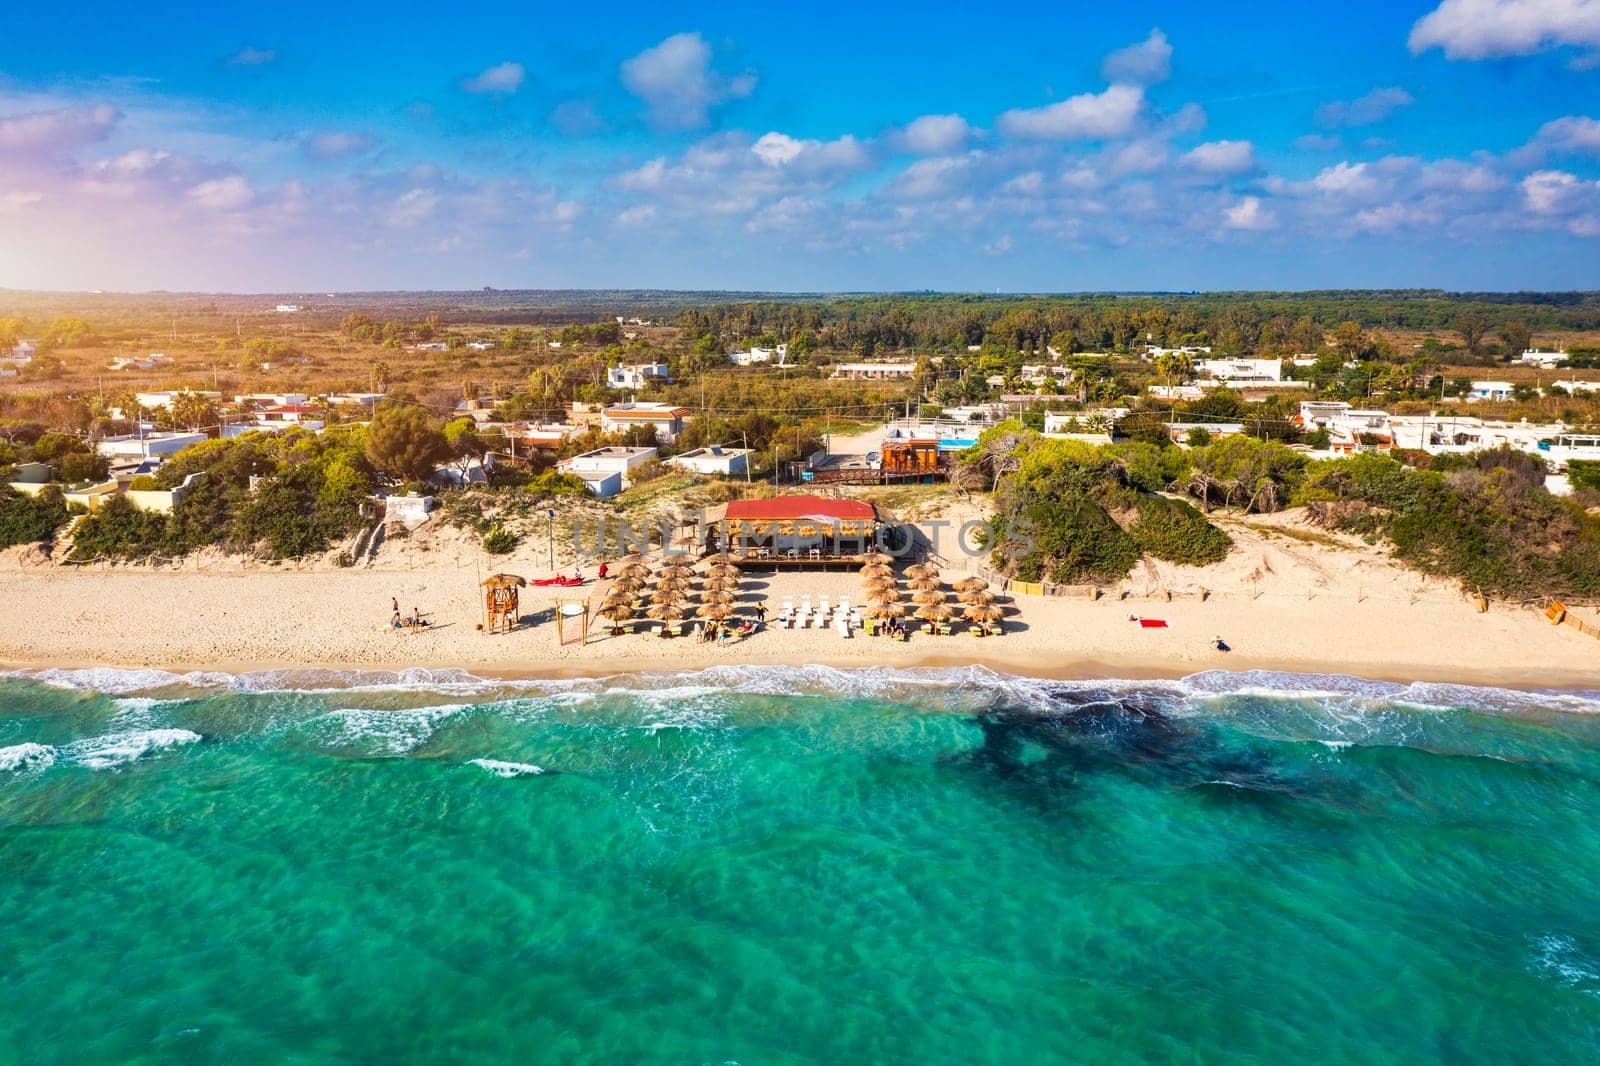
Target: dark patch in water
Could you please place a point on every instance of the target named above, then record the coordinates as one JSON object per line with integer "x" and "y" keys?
{"x": 1087, "y": 733}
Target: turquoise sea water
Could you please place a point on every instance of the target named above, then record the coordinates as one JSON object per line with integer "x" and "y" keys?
{"x": 784, "y": 866}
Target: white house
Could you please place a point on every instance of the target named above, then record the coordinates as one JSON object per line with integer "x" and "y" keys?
{"x": 136, "y": 446}
{"x": 637, "y": 375}
{"x": 714, "y": 459}
{"x": 1546, "y": 360}
{"x": 873, "y": 371}
{"x": 753, "y": 356}
{"x": 1241, "y": 371}
{"x": 480, "y": 346}
{"x": 287, "y": 309}
{"x": 22, "y": 353}
{"x": 164, "y": 398}
{"x": 605, "y": 470}
{"x": 1494, "y": 391}
{"x": 1176, "y": 392}
{"x": 267, "y": 399}
{"x": 1155, "y": 351}
{"x": 1575, "y": 387}
{"x": 665, "y": 419}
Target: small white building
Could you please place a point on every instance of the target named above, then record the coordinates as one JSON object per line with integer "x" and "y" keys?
{"x": 1575, "y": 387}
{"x": 480, "y": 346}
{"x": 1490, "y": 391}
{"x": 136, "y": 447}
{"x": 874, "y": 371}
{"x": 1176, "y": 392}
{"x": 638, "y": 375}
{"x": 22, "y": 353}
{"x": 604, "y": 471}
{"x": 665, "y": 419}
{"x": 1155, "y": 351}
{"x": 754, "y": 356}
{"x": 1546, "y": 360}
{"x": 1242, "y": 372}
{"x": 153, "y": 400}
{"x": 287, "y": 309}
{"x": 714, "y": 460}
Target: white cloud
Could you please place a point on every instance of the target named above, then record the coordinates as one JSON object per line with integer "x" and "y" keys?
{"x": 57, "y": 130}
{"x": 1029, "y": 184}
{"x": 1248, "y": 214}
{"x": 504, "y": 78}
{"x": 1345, "y": 178}
{"x": 412, "y": 207}
{"x": 935, "y": 135}
{"x": 677, "y": 84}
{"x": 1087, "y": 116}
{"x": 332, "y": 144}
{"x": 928, "y": 178}
{"x": 249, "y": 56}
{"x": 1491, "y": 29}
{"x": 222, "y": 194}
{"x": 1144, "y": 63}
{"x": 1222, "y": 158}
{"x": 1574, "y": 133}
{"x": 635, "y": 216}
{"x": 1375, "y": 106}
{"x": 1547, "y": 192}
{"x": 776, "y": 149}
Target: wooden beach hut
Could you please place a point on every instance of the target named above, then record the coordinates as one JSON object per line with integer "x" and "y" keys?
{"x": 501, "y": 613}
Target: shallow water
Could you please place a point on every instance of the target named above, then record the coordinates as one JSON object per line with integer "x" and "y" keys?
{"x": 769, "y": 865}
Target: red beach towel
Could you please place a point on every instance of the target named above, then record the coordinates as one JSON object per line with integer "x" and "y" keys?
{"x": 1152, "y": 623}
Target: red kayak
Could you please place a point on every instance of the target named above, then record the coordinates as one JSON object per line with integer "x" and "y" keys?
{"x": 557, "y": 582}
{"x": 1152, "y": 623}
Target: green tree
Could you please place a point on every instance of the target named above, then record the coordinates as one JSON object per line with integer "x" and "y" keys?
{"x": 1472, "y": 327}
{"x": 405, "y": 441}
{"x": 192, "y": 411}
{"x": 1516, "y": 337}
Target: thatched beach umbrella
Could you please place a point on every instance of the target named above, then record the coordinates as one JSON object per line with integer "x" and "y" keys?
{"x": 877, "y": 568}
{"x": 926, "y": 598}
{"x": 633, "y": 570}
{"x": 935, "y": 613}
{"x": 715, "y": 611}
{"x": 618, "y": 613}
{"x": 719, "y": 596}
{"x": 986, "y": 612}
{"x": 979, "y": 597}
{"x": 970, "y": 584}
{"x": 878, "y": 555}
{"x": 666, "y": 612}
{"x": 674, "y": 584}
{"x": 669, "y": 596}
{"x": 720, "y": 584}
{"x": 722, "y": 570}
{"x": 717, "y": 557}
{"x": 888, "y": 610}
{"x": 923, "y": 584}
{"x": 881, "y": 583}
{"x": 886, "y": 596}
{"x": 922, "y": 570}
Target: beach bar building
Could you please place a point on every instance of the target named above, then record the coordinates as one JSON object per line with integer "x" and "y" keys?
{"x": 799, "y": 530}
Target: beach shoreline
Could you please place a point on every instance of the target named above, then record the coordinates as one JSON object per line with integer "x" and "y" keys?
{"x": 1281, "y": 604}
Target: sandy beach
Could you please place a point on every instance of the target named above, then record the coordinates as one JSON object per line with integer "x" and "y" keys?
{"x": 1283, "y": 600}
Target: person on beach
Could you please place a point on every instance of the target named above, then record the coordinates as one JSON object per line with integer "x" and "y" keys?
{"x": 416, "y": 618}
{"x": 761, "y": 611}
{"x": 397, "y": 622}
{"x": 602, "y": 571}
{"x": 395, "y": 600}
{"x": 1220, "y": 644}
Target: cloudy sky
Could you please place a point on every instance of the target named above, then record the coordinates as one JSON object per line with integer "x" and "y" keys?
{"x": 1048, "y": 147}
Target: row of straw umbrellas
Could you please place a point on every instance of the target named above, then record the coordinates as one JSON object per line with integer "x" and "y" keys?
{"x": 666, "y": 592}
{"x": 886, "y": 601}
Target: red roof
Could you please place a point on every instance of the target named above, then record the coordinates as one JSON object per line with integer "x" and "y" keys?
{"x": 789, "y": 507}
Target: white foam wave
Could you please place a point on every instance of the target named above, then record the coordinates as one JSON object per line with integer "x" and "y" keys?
{"x": 390, "y": 732}
{"x": 1560, "y": 955}
{"x": 119, "y": 749}
{"x": 951, "y": 688}
{"x": 19, "y": 758}
{"x": 507, "y": 769}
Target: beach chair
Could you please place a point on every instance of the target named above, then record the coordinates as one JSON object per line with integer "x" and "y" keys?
{"x": 841, "y": 626}
{"x": 805, "y": 604}
{"x": 788, "y": 605}
{"x": 822, "y": 604}
{"x": 844, "y": 604}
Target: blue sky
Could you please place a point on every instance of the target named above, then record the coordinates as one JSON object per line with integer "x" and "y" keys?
{"x": 883, "y": 147}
